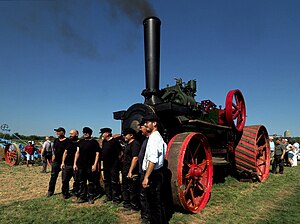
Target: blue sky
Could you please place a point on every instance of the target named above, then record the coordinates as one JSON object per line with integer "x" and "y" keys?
{"x": 73, "y": 63}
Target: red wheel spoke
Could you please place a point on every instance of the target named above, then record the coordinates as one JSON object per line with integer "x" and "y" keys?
{"x": 259, "y": 137}
{"x": 188, "y": 186}
{"x": 187, "y": 163}
{"x": 235, "y": 115}
{"x": 187, "y": 176}
{"x": 201, "y": 186}
{"x": 236, "y": 98}
{"x": 196, "y": 151}
{"x": 192, "y": 196}
{"x": 203, "y": 164}
{"x": 259, "y": 170}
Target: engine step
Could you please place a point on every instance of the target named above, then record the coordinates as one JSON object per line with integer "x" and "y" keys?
{"x": 219, "y": 161}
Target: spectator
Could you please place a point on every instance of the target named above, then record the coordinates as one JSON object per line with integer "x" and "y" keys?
{"x": 130, "y": 180}
{"x": 46, "y": 153}
{"x": 291, "y": 154}
{"x": 29, "y": 149}
{"x": 86, "y": 162}
{"x": 296, "y": 146}
{"x": 60, "y": 144}
{"x": 278, "y": 157}
{"x": 285, "y": 143}
{"x": 272, "y": 149}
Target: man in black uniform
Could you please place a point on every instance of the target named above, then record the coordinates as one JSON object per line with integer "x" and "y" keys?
{"x": 130, "y": 180}
{"x": 111, "y": 150}
{"x": 145, "y": 212}
{"x": 86, "y": 162}
{"x": 59, "y": 146}
{"x": 67, "y": 166}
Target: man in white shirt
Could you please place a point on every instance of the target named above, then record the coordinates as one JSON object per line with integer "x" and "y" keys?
{"x": 153, "y": 168}
{"x": 272, "y": 149}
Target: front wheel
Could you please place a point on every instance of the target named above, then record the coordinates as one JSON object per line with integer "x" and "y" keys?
{"x": 190, "y": 162}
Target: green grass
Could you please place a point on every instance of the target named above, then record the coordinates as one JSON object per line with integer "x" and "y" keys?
{"x": 23, "y": 200}
{"x": 54, "y": 210}
{"x": 277, "y": 200}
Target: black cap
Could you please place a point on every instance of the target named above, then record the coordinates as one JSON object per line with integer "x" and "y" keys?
{"x": 60, "y": 129}
{"x": 150, "y": 117}
{"x": 87, "y": 130}
{"x": 103, "y": 130}
{"x": 129, "y": 131}
{"x": 142, "y": 122}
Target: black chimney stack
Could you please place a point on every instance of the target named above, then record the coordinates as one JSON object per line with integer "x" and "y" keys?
{"x": 152, "y": 59}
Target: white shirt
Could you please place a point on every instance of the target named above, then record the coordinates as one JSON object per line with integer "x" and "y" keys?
{"x": 155, "y": 151}
{"x": 296, "y": 145}
{"x": 272, "y": 146}
{"x": 290, "y": 149}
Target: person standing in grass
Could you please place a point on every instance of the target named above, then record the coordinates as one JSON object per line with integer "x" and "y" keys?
{"x": 272, "y": 149}
{"x": 86, "y": 163}
{"x": 153, "y": 167}
{"x": 46, "y": 153}
{"x": 145, "y": 212}
{"x": 278, "y": 157}
{"x": 130, "y": 179}
{"x": 60, "y": 144}
{"x": 67, "y": 166}
{"x": 29, "y": 149}
{"x": 111, "y": 151}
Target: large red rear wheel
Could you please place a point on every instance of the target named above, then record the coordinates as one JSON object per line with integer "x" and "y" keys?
{"x": 12, "y": 154}
{"x": 235, "y": 110}
{"x": 190, "y": 162}
{"x": 252, "y": 154}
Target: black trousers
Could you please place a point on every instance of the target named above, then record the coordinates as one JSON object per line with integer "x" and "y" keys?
{"x": 144, "y": 204}
{"x": 278, "y": 161}
{"x": 54, "y": 174}
{"x": 154, "y": 197}
{"x": 67, "y": 174}
{"x": 87, "y": 191}
{"x": 47, "y": 158}
{"x": 130, "y": 188}
{"x": 112, "y": 183}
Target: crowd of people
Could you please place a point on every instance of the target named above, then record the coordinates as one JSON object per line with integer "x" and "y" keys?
{"x": 283, "y": 153}
{"x": 140, "y": 160}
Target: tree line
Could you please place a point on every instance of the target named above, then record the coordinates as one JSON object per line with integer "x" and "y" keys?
{"x": 16, "y": 135}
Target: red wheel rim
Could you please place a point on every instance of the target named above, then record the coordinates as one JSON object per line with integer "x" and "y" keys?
{"x": 12, "y": 154}
{"x": 235, "y": 110}
{"x": 190, "y": 161}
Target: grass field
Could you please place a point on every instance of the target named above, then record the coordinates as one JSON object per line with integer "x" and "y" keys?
{"x": 23, "y": 190}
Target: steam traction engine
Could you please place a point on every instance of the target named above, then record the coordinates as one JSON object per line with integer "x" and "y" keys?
{"x": 200, "y": 136}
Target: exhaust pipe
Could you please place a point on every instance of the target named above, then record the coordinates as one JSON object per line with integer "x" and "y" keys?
{"x": 152, "y": 60}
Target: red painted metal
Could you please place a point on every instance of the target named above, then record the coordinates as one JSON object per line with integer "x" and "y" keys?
{"x": 190, "y": 160}
{"x": 235, "y": 109}
{"x": 252, "y": 154}
{"x": 12, "y": 154}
